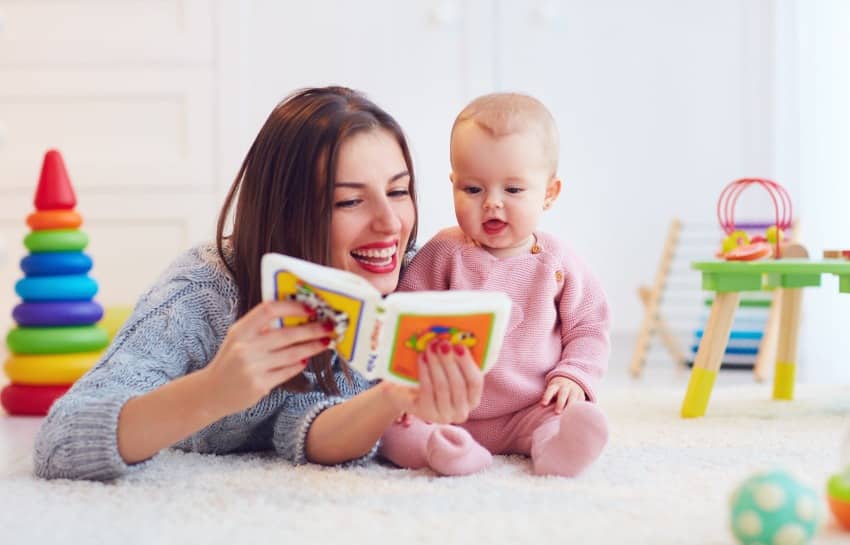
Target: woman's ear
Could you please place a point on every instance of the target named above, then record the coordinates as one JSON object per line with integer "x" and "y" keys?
{"x": 553, "y": 189}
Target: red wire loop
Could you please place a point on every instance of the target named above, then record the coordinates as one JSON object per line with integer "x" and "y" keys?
{"x": 729, "y": 198}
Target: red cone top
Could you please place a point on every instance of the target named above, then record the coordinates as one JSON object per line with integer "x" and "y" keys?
{"x": 54, "y": 190}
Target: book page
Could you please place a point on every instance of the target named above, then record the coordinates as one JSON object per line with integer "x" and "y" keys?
{"x": 330, "y": 294}
{"x": 476, "y": 320}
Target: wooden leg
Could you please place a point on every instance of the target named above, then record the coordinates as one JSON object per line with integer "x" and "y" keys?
{"x": 709, "y": 357}
{"x": 786, "y": 352}
{"x": 769, "y": 339}
{"x": 645, "y": 334}
{"x": 664, "y": 332}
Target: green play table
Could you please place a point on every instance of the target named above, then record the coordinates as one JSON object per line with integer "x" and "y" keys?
{"x": 728, "y": 279}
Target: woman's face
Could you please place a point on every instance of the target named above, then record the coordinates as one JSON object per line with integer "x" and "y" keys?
{"x": 373, "y": 211}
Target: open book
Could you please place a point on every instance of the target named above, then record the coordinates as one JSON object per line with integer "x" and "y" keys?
{"x": 382, "y": 337}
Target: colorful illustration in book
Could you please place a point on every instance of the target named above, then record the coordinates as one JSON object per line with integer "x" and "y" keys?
{"x": 419, "y": 341}
{"x": 413, "y": 333}
{"x": 344, "y": 310}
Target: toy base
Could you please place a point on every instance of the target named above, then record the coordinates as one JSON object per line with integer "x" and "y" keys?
{"x": 841, "y": 510}
{"x": 20, "y": 400}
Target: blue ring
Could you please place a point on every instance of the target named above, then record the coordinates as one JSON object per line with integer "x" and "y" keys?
{"x": 55, "y": 263}
{"x": 77, "y": 287}
{"x": 57, "y": 313}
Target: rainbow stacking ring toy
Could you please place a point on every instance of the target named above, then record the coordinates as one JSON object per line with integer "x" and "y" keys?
{"x": 57, "y": 339}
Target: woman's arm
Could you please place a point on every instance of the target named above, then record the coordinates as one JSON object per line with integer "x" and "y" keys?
{"x": 350, "y": 430}
{"x": 450, "y": 387}
{"x": 252, "y": 360}
{"x": 157, "y": 420}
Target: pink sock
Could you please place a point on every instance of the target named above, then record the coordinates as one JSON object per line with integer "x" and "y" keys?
{"x": 566, "y": 446}
{"x": 451, "y": 450}
{"x": 405, "y": 445}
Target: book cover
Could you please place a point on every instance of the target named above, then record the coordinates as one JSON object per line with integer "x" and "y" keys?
{"x": 383, "y": 337}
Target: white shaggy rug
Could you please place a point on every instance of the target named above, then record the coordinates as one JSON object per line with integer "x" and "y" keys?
{"x": 661, "y": 480}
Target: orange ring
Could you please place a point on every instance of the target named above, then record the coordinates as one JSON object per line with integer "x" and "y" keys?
{"x": 54, "y": 219}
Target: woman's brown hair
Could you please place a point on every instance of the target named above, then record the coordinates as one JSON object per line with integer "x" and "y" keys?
{"x": 283, "y": 193}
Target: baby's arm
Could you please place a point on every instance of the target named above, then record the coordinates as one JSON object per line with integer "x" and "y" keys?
{"x": 585, "y": 324}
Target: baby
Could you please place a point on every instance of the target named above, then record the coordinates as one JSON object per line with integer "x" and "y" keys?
{"x": 538, "y": 399}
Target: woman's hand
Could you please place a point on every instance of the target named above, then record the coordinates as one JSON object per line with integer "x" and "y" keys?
{"x": 255, "y": 357}
{"x": 450, "y": 385}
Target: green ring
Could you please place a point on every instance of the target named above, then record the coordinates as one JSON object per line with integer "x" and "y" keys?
{"x": 56, "y": 240}
{"x": 56, "y": 340}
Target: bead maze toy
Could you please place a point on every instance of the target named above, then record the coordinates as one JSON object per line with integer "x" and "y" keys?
{"x": 787, "y": 271}
{"x": 676, "y": 308}
{"x": 56, "y": 339}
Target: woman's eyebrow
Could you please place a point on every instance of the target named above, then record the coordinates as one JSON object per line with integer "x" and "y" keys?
{"x": 399, "y": 176}
{"x": 360, "y": 185}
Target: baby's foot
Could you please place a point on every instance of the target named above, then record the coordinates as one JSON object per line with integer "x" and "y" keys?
{"x": 451, "y": 450}
{"x": 566, "y": 446}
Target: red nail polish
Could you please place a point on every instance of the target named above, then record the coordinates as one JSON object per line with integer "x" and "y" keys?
{"x": 327, "y": 325}
{"x": 434, "y": 347}
{"x": 304, "y": 362}
{"x": 445, "y": 348}
{"x": 459, "y": 349}
{"x": 425, "y": 357}
{"x": 326, "y": 341}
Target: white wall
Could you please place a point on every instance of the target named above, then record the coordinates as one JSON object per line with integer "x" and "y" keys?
{"x": 660, "y": 102}
{"x": 813, "y": 53}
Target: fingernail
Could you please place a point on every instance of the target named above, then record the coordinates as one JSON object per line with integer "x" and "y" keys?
{"x": 459, "y": 349}
{"x": 304, "y": 362}
{"x": 445, "y": 348}
{"x": 327, "y": 325}
{"x": 434, "y": 347}
{"x": 425, "y": 357}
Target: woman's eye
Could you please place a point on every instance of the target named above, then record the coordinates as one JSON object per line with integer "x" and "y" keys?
{"x": 347, "y": 203}
{"x": 399, "y": 193}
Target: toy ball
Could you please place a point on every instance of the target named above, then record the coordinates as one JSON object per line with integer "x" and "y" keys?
{"x": 775, "y": 508}
{"x": 838, "y": 494}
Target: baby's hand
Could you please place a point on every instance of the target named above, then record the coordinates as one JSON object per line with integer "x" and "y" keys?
{"x": 562, "y": 390}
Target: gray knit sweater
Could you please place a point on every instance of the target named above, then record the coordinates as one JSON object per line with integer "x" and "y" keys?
{"x": 175, "y": 329}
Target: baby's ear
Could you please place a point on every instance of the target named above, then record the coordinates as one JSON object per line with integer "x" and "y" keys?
{"x": 452, "y": 177}
{"x": 553, "y": 189}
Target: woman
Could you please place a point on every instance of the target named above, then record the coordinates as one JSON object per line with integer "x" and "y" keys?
{"x": 328, "y": 179}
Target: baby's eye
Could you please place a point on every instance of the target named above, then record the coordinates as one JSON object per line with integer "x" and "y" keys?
{"x": 514, "y": 190}
{"x": 472, "y": 190}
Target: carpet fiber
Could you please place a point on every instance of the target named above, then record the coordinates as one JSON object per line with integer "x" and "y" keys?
{"x": 661, "y": 480}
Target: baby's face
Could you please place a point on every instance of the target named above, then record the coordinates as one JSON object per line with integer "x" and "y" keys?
{"x": 501, "y": 186}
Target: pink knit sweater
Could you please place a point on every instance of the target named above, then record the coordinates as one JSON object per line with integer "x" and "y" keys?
{"x": 559, "y": 316}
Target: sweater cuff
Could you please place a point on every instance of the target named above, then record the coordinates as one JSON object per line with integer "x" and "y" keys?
{"x": 294, "y": 446}
{"x": 83, "y": 442}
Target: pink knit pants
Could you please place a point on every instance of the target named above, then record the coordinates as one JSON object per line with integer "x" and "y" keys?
{"x": 562, "y": 444}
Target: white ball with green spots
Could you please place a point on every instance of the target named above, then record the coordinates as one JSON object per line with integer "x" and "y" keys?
{"x": 775, "y": 509}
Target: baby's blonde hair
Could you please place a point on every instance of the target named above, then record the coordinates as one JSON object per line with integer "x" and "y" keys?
{"x": 502, "y": 114}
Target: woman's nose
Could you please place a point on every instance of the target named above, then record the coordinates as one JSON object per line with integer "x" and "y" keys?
{"x": 386, "y": 220}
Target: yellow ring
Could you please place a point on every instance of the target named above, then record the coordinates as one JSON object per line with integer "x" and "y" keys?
{"x": 47, "y": 369}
